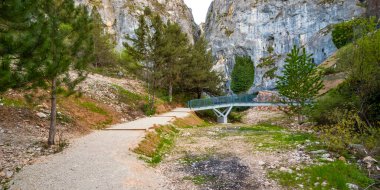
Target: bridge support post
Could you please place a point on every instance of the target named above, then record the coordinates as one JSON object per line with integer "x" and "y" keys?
{"x": 222, "y": 115}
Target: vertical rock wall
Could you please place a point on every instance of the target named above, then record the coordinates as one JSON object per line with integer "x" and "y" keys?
{"x": 120, "y": 16}
{"x": 266, "y": 29}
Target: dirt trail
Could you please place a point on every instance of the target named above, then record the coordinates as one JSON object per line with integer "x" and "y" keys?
{"x": 101, "y": 160}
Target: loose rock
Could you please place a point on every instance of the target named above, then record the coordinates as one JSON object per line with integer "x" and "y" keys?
{"x": 318, "y": 152}
{"x": 41, "y": 115}
{"x": 8, "y": 174}
{"x": 326, "y": 155}
{"x": 261, "y": 163}
{"x": 283, "y": 169}
{"x": 352, "y": 186}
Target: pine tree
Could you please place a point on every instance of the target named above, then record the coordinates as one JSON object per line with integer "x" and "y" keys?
{"x": 156, "y": 44}
{"x": 139, "y": 49}
{"x": 300, "y": 82}
{"x": 41, "y": 42}
{"x": 197, "y": 75}
{"x": 174, "y": 49}
{"x": 64, "y": 46}
{"x": 18, "y": 37}
{"x": 103, "y": 45}
{"x": 70, "y": 49}
{"x": 146, "y": 47}
{"x": 243, "y": 74}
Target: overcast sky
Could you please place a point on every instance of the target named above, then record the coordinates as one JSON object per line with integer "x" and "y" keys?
{"x": 200, "y": 8}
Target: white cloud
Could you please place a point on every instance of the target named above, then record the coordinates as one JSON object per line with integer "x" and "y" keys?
{"x": 200, "y": 8}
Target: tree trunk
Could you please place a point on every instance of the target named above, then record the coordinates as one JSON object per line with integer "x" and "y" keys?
{"x": 153, "y": 94}
{"x": 170, "y": 92}
{"x": 199, "y": 93}
{"x": 53, "y": 112}
{"x": 299, "y": 118}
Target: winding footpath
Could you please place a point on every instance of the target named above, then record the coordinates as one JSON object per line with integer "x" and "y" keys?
{"x": 100, "y": 160}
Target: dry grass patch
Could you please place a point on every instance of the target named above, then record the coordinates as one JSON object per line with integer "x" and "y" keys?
{"x": 88, "y": 113}
{"x": 191, "y": 121}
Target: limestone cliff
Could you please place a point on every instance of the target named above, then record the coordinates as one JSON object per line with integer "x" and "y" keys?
{"x": 266, "y": 30}
{"x": 120, "y": 16}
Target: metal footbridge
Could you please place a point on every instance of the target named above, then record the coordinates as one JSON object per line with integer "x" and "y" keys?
{"x": 223, "y": 105}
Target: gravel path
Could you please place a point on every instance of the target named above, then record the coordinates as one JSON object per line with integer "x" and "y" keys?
{"x": 101, "y": 160}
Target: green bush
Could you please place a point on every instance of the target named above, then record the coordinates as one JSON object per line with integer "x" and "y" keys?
{"x": 346, "y": 32}
{"x": 235, "y": 117}
{"x": 361, "y": 90}
{"x": 350, "y": 130}
{"x": 327, "y": 108}
{"x": 148, "y": 110}
{"x": 207, "y": 115}
{"x": 243, "y": 74}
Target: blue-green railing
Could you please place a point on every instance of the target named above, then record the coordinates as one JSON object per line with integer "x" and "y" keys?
{"x": 214, "y": 101}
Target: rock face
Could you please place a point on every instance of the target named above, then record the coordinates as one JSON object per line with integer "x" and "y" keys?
{"x": 268, "y": 29}
{"x": 373, "y": 8}
{"x": 120, "y": 16}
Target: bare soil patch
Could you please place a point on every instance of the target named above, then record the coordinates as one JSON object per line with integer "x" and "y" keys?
{"x": 206, "y": 158}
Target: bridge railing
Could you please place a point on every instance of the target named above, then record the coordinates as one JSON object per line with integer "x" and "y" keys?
{"x": 214, "y": 101}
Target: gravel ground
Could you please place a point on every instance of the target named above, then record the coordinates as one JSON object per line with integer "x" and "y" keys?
{"x": 101, "y": 160}
{"x": 229, "y": 160}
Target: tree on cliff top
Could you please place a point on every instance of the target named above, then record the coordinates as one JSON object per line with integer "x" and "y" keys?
{"x": 301, "y": 80}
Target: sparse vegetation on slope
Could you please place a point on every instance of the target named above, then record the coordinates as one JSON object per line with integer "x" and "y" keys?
{"x": 158, "y": 142}
{"x": 335, "y": 175}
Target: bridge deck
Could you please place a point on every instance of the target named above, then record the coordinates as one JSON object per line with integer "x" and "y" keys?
{"x": 250, "y": 104}
{"x": 228, "y": 101}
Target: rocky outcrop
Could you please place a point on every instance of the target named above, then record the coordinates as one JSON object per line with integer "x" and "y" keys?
{"x": 120, "y": 16}
{"x": 267, "y": 30}
{"x": 373, "y": 8}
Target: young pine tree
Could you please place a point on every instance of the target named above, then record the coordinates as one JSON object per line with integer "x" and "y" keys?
{"x": 41, "y": 42}
{"x": 300, "y": 82}
{"x": 146, "y": 47}
{"x": 65, "y": 46}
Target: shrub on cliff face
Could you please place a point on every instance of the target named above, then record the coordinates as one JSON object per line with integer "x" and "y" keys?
{"x": 243, "y": 74}
{"x": 346, "y": 32}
